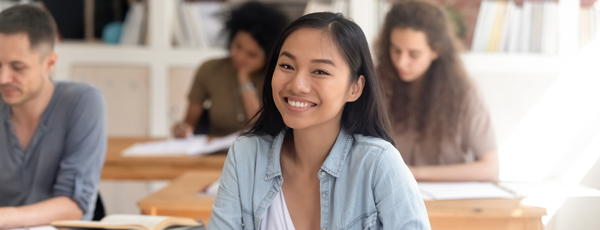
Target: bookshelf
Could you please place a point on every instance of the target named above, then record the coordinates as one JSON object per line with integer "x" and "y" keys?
{"x": 564, "y": 19}
{"x": 160, "y": 56}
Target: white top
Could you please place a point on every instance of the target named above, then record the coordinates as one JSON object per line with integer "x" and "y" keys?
{"x": 277, "y": 216}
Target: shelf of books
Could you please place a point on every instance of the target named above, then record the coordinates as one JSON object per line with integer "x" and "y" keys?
{"x": 521, "y": 26}
{"x": 505, "y": 36}
{"x": 165, "y": 35}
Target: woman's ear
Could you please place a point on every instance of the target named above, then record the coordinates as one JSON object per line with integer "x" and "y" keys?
{"x": 356, "y": 89}
{"x": 434, "y": 55}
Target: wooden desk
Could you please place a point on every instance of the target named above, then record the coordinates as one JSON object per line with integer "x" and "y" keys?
{"x": 489, "y": 214}
{"x": 180, "y": 199}
{"x": 117, "y": 167}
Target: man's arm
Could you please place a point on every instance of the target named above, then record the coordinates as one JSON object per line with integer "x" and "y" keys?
{"x": 85, "y": 147}
{"x": 58, "y": 208}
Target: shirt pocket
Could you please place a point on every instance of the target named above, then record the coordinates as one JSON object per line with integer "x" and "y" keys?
{"x": 366, "y": 221}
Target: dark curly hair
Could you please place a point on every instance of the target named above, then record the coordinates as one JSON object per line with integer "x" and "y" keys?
{"x": 262, "y": 22}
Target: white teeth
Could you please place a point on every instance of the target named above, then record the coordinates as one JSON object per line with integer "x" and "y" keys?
{"x": 298, "y": 104}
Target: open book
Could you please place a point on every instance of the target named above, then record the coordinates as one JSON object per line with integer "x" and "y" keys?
{"x": 133, "y": 222}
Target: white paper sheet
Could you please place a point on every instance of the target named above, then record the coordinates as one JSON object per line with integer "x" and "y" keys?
{"x": 46, "y": 227}
{"x": 463, "y": 190}
{"x": 196, "y": 145}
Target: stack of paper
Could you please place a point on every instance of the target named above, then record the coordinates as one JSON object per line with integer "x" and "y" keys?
{"x": 463, "y": 190}
{"x": 200, "y": 144}
{"x": 45, "y": 227}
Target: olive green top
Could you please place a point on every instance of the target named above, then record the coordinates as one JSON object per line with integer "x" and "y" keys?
{"x": 216, "y": 80}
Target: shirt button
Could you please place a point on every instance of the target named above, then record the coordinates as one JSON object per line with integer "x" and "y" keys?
{"x": 322, "y": 173}
{"x": 324, "y": 228}
{"x": 324, "y": 195}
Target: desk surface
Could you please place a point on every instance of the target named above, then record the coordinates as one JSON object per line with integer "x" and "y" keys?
{"x": 181, "y": 198}
{"x": 117, "y": 167}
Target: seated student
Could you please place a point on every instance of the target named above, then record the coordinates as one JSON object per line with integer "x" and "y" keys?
{"x": 52, "y": 138}
{"x": 442, "y": 128}
{"x": 230, "y": 82}
{"x": 319, "y": 155}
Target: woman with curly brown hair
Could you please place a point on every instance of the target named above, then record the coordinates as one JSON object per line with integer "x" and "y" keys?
{"x": 442, "y": 128}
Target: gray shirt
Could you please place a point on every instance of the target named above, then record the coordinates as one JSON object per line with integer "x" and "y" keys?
{"x": 65, "y": 154}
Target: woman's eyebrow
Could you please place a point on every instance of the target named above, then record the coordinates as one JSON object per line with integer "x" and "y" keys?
{"x": 291, "y": 56}
{"x": 324, "y": 61}
{"x": 288, "y": 54}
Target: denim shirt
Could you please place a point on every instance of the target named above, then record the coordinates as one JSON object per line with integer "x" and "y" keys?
{"x": 364, "y": 184}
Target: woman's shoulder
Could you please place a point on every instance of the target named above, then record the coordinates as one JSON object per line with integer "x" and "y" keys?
{"x": 377, "y": 157}
{"x": 370, "y": 142}
{"x": 377, "y": 149}
{"x": 252, "y": 145}
{"x": 215, "y": 65}
{"x": 474, "y": 103}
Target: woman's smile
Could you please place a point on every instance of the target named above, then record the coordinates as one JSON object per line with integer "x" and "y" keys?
{"x": 296, "y": 104}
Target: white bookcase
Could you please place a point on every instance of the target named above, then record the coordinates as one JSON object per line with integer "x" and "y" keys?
{"x": 160, "y": 56}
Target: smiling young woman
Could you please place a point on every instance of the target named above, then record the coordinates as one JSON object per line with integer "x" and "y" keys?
{"x": 319, "y": 155}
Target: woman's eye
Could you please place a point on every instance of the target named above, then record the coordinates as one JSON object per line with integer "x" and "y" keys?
{"x": 320, "y": 72}
{"x": 286, "y": 66}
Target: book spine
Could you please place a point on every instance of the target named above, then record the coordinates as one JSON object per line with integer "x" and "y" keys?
{"x": 488, "y": 25}
{"x": 515, "y": 34}
{"x": 526, "y": 27}
{"x": 505, "y": 38}
{"x": 498, "y": 24}
{"x": 554, "y": 24}
{"x": 477, "y": 35}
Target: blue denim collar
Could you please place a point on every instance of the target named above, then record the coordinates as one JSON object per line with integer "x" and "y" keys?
{"x": 333, "y": 163}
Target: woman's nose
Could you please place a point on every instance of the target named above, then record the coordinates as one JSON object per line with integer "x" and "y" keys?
{"x": 299, "y": 84}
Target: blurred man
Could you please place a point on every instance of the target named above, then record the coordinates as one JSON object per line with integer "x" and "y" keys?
{"x": 52, "y": 137}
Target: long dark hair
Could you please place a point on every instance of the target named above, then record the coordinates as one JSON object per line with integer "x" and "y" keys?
{"x": 367, "y": 115}
{"x": 446, "y": 87}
